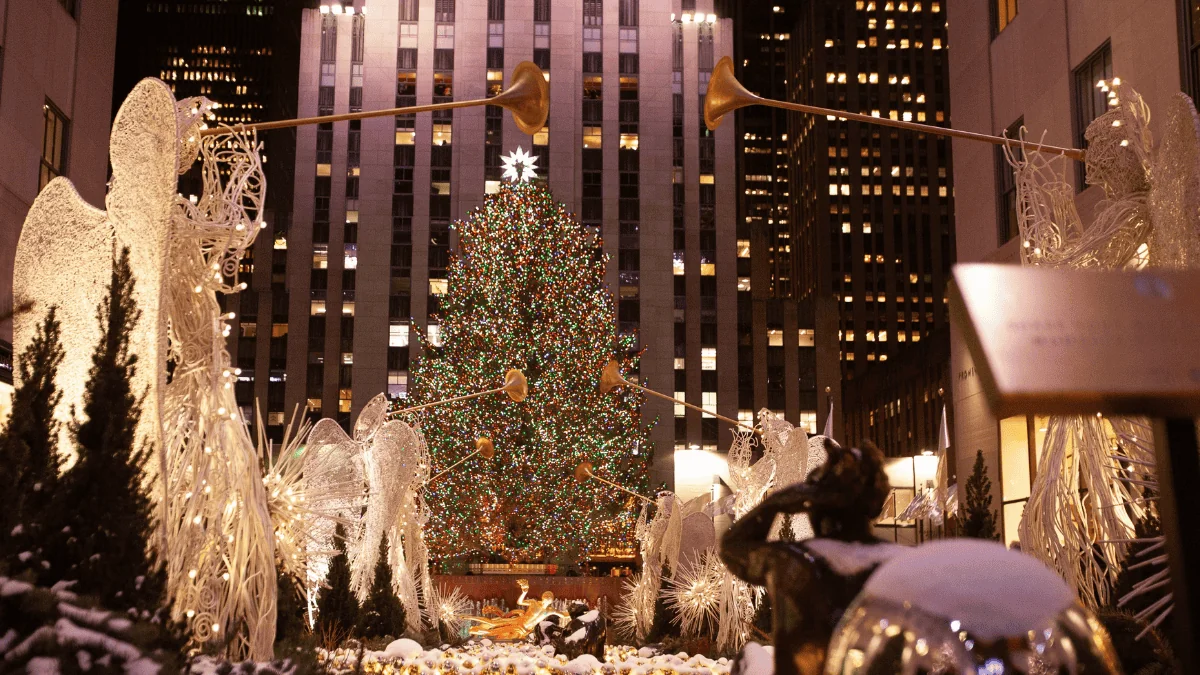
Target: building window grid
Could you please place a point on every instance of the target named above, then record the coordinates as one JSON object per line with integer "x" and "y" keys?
{"x": 1090, "y": 99}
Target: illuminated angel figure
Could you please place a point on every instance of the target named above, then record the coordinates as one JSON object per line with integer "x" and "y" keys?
{"x": 517, "y": 624}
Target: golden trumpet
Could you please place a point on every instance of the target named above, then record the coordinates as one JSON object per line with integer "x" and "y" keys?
{"x": 515, "y": 385}
{"x": 584, "y": 471}
{"x": 726, "y": 94}
{"x": 527, "y": 98}
{"x": 610, "y": 378}
{"x": 483, "y": 446}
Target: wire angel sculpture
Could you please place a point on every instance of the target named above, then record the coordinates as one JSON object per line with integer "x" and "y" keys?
{"x": 1149, "y": 217}
{"x": 795, "y": 456}
{"x": 216, "y": 538}
{"x": 394, "y": 464}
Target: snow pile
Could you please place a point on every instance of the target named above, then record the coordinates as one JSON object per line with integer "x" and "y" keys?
{"x": 522, "y": 658}
{"x": 50, "y": 630}
{"x": 207, "y": 665}
{"x": 990, "y": 591}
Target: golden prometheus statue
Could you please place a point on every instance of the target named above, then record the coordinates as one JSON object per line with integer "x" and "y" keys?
{"x": 518, "y": 623}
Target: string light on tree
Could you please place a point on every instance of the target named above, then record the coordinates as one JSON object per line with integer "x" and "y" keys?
{"x": 525, "y": 292}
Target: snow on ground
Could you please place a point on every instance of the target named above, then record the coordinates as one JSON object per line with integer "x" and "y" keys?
{"x": 477, "y": 658}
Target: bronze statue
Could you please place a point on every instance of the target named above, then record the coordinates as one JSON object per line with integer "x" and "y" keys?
{"x": 812, "y": 582}
{"x": 518, "y": 623}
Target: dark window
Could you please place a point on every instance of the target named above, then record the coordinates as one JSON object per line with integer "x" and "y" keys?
{"x": 593, "y": 12}
{"x": 357, "y": 29}
{"x": 629, "y": 12}
{"x": 54, "y": 144}
{"x": 408, "y": 10}
{"x": 541, "y": 57}
{"x": 541, "y": 10}
{"x": 1006, "y": 188}
{"x": 444, "y": 11}
{"x": 406, "y": 59}
{"x": 1003, "y": 12}
{"x": 1091, "y": 97}
{"x": 1189, "y": 47}
{"x": 495, "y": 10}
{"x": 328, "y": 38}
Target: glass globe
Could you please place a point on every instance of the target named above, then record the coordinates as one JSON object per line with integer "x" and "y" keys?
{"x": 968, "y": 607}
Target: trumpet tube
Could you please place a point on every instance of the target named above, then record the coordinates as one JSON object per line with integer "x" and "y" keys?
{"x": 527, "y": 98}
{"x": 726, "y": 94}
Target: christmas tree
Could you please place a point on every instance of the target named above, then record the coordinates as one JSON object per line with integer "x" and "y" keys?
{"x": 102, "y": 510}
{"x": 525, "y": 291}
{"x": 337, "y": 608}
{"x": 382, "y": 614}
{"x": 29, "y": 444}
{"x": 980, "y": 521}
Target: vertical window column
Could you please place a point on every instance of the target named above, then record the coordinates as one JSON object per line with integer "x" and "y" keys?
{"x": 679, "y": 235}
{"x": 441, "y": 158}
{"x": 628, "y": 167}
{"x": 541, "y": 57}
{"x": 493, "y": 142}
{"x": 592, "y": 213}
{"x": 404, "y": 159}
{"x": 708, "y": 239}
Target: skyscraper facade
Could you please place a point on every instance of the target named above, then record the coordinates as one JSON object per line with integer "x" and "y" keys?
{"x": 364, "y": 258}
{"x": 245, "y": 56}
{"x": 56, "y": 61}
{"x": 775, "y": 330}
{"x": 872, "y": 210}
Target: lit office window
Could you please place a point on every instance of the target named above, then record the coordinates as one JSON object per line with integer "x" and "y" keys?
{"x": 54, "y": 140}
{"x": 398, "y": 335}
{"x": 1003, "y": 12}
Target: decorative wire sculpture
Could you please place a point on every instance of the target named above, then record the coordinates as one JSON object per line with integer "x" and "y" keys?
{"x": 451, "y": 605}
{"x": 220, "y": 546}
{"x": 216, "y": 537}
{"x": 1150, "y": 217}
{"x": 395, "y": 465}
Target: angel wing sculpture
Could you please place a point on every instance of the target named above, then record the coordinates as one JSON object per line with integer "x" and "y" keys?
{"x": 216, "y": 529}
{"x": 1150, "y": 217}
{"x": 395, "y": 464}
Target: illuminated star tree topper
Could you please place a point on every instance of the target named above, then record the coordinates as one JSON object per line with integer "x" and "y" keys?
{"x": 519, "y": 166}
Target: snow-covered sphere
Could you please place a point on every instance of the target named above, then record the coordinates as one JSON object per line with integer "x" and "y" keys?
{"x": 404, "y": 648}
{"x": 966, "y": 605}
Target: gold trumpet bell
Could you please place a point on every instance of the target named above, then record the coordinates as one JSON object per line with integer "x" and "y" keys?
{"x": 527, "y": 98}
{"x": 583, "y": 471}
{"x": 610, "y": 377}
{"x": 725, "y": 94}
{"x": 515, "y": 385}
{"x": 483, "y": 445}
